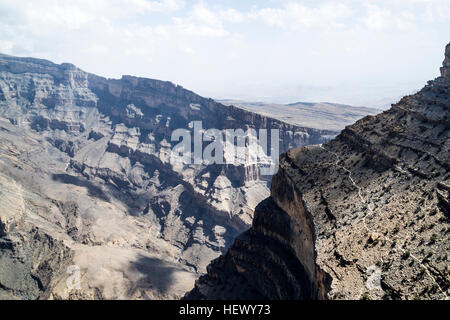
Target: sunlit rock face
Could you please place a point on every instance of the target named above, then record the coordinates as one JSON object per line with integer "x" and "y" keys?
{"x": 86, "y": 180}
{"x": 364, "y": 216}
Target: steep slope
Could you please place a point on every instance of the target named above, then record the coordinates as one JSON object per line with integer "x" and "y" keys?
{"x": 84, "y": 163}
{"x": 365, "y": 215}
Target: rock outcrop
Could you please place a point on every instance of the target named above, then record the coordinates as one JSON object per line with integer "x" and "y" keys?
{"x": 364, "y": 216}
{"x": 84, "y": 162}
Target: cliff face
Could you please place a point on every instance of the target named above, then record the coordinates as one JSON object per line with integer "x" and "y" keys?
{"x": 84, "y": 162}
{"x": 365, "y": 215}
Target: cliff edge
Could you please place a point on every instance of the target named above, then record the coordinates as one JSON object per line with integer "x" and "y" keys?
{"x": 364, "y": 216}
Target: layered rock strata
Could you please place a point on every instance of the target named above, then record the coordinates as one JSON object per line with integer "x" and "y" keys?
{"x": 364, "y": 216}
{"x": 86, "y": 181}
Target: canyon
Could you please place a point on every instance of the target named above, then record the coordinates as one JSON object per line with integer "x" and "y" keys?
{"x": 86, "y": 183}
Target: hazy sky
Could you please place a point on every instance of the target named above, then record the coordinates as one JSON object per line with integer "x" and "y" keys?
{"x": 356, "y": 52}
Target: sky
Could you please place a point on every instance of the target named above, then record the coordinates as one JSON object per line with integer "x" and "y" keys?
{"x": 356, "y": 52}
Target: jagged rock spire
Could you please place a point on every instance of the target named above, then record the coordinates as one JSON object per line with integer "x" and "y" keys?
{"x": 445, "y": 70}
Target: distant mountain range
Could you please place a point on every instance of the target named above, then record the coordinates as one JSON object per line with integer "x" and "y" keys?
{"x": 321, "y": 115}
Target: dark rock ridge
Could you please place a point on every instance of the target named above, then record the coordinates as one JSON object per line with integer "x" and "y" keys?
{"x": 364, "y": 216}
{"x": 85, "y": 160}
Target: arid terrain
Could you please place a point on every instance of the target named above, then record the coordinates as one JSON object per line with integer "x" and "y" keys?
{"x": 86, "y": 181}
{"x": 364, "y": 216}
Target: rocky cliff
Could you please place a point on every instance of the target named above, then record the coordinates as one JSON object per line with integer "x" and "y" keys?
{"x": 364, "y": 216}
{"x": 86, "y": 181}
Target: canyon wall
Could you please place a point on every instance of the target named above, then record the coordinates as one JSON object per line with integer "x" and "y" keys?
{"x": 364, "y": 216}
{"x": 88, "y": 160}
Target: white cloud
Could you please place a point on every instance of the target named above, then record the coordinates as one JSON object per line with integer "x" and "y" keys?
{"x": 232, "y": 15}
{"x": 295, "y": 15}
{"x": 219, "y": 49}
{"x": 6, "y": 46}
{"x": 271, "y": 16}
{"x": 97, "y": 49}
{"x": 201, "y": 21}
{"x": 382, "y": 19}
{"x": 74, "y": 14}
{"x": 153, "y": 6}
{"x": 202, "y": 14}
{"x": 437, "y": 11}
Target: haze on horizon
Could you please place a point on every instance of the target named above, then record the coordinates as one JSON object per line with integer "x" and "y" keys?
{"x": 353, "y": 52}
